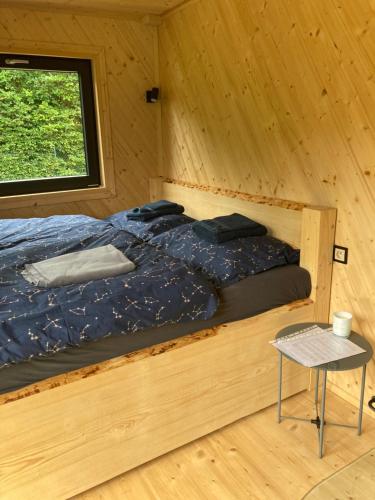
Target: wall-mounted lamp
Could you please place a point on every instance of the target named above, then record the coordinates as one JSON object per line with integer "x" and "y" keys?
{"x": 152, "y": 95}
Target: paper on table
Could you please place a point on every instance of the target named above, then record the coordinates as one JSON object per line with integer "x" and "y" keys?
{"x": 315, "y": 346}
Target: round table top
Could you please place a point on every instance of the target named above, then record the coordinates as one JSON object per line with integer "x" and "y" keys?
{"x": 349, "y": 363}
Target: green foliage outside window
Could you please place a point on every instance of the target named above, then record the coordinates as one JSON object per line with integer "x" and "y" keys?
{"x": 41, "y": 132}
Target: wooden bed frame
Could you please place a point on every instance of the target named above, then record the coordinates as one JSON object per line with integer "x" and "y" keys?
{"x": 71, "y": 432}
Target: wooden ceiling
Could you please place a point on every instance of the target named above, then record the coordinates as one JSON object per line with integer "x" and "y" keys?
{"x": 146, "y": 6}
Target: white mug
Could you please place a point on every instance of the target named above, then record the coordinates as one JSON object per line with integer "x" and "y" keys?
{"x": 342, "y": 323}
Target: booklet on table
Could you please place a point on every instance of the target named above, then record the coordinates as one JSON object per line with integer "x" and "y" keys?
{"x": 315, "y": 346}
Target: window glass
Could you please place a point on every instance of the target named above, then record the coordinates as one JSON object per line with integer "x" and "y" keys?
{"x": 47, "y": 125}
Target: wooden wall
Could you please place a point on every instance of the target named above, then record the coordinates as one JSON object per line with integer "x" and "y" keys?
{"x": 277, "y": 97}
{"x": 131, "y": 60}
{"x": 146, "y": 6}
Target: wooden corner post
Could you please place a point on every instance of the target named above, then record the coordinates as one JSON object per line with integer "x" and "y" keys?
{"x": 317, "y": 240}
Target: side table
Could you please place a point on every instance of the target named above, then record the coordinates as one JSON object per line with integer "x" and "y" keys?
{"x": 349, "y": 363}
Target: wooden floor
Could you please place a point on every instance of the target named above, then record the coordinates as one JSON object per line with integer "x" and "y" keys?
{"x": 355, "y": 481}
{"x": 255, "y": 458}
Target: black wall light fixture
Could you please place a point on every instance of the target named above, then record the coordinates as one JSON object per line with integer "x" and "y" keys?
{"x": 152, "y": 95}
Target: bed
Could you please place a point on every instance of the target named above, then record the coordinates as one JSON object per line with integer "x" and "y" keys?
{"x": 108, "y": 417}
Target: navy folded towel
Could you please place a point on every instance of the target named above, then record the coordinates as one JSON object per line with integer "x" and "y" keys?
{"x": 227, "y": 228}
{"x": 292, "y": 256}
{"x": 155, "y": 209}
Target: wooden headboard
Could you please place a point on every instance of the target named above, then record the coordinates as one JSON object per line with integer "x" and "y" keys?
{"x": 310, "y": 228}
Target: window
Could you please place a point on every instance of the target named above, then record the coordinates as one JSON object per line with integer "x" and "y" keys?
{"x": 48, "y": 135}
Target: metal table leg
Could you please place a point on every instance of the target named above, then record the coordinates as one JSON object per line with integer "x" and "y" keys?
{"x": 280, "y": 383}
{"x": 322, "y": 414}
{"x": 317, "y": 387}
{"x": 360, "y": 413}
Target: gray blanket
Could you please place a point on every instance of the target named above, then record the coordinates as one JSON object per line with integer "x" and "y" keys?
{"x": 78, "y": 267}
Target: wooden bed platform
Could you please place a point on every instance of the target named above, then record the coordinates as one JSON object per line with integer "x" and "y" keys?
{"x": 69, "y": 433}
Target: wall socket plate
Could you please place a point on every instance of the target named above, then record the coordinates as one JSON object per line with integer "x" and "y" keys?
{"x": 340, "y": 254}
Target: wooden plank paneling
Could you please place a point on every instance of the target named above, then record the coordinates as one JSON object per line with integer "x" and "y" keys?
{"x": 277, "y": 98}
{"x": 121, "y": 6}
{"x": 129, "y": 50}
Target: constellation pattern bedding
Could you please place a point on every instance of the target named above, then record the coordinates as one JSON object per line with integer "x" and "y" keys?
{"x": 36, "y": 322}
{"x": 145, "y": 230}
{"x": 229, "y": 262}
{"x": 249, "y": 297}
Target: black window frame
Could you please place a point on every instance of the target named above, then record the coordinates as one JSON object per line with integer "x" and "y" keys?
{"x": 90, "y": 133}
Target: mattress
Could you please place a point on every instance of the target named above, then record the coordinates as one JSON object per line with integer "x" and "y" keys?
{"x": 249, "y": 297}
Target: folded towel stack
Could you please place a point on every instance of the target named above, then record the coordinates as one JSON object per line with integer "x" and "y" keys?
{"x": 155, "y": 209}
{"x": 78, "y": 267}
{"x": 227, "y": 228}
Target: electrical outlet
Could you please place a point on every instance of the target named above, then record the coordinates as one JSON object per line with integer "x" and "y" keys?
{"x": 340, "y": 254}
